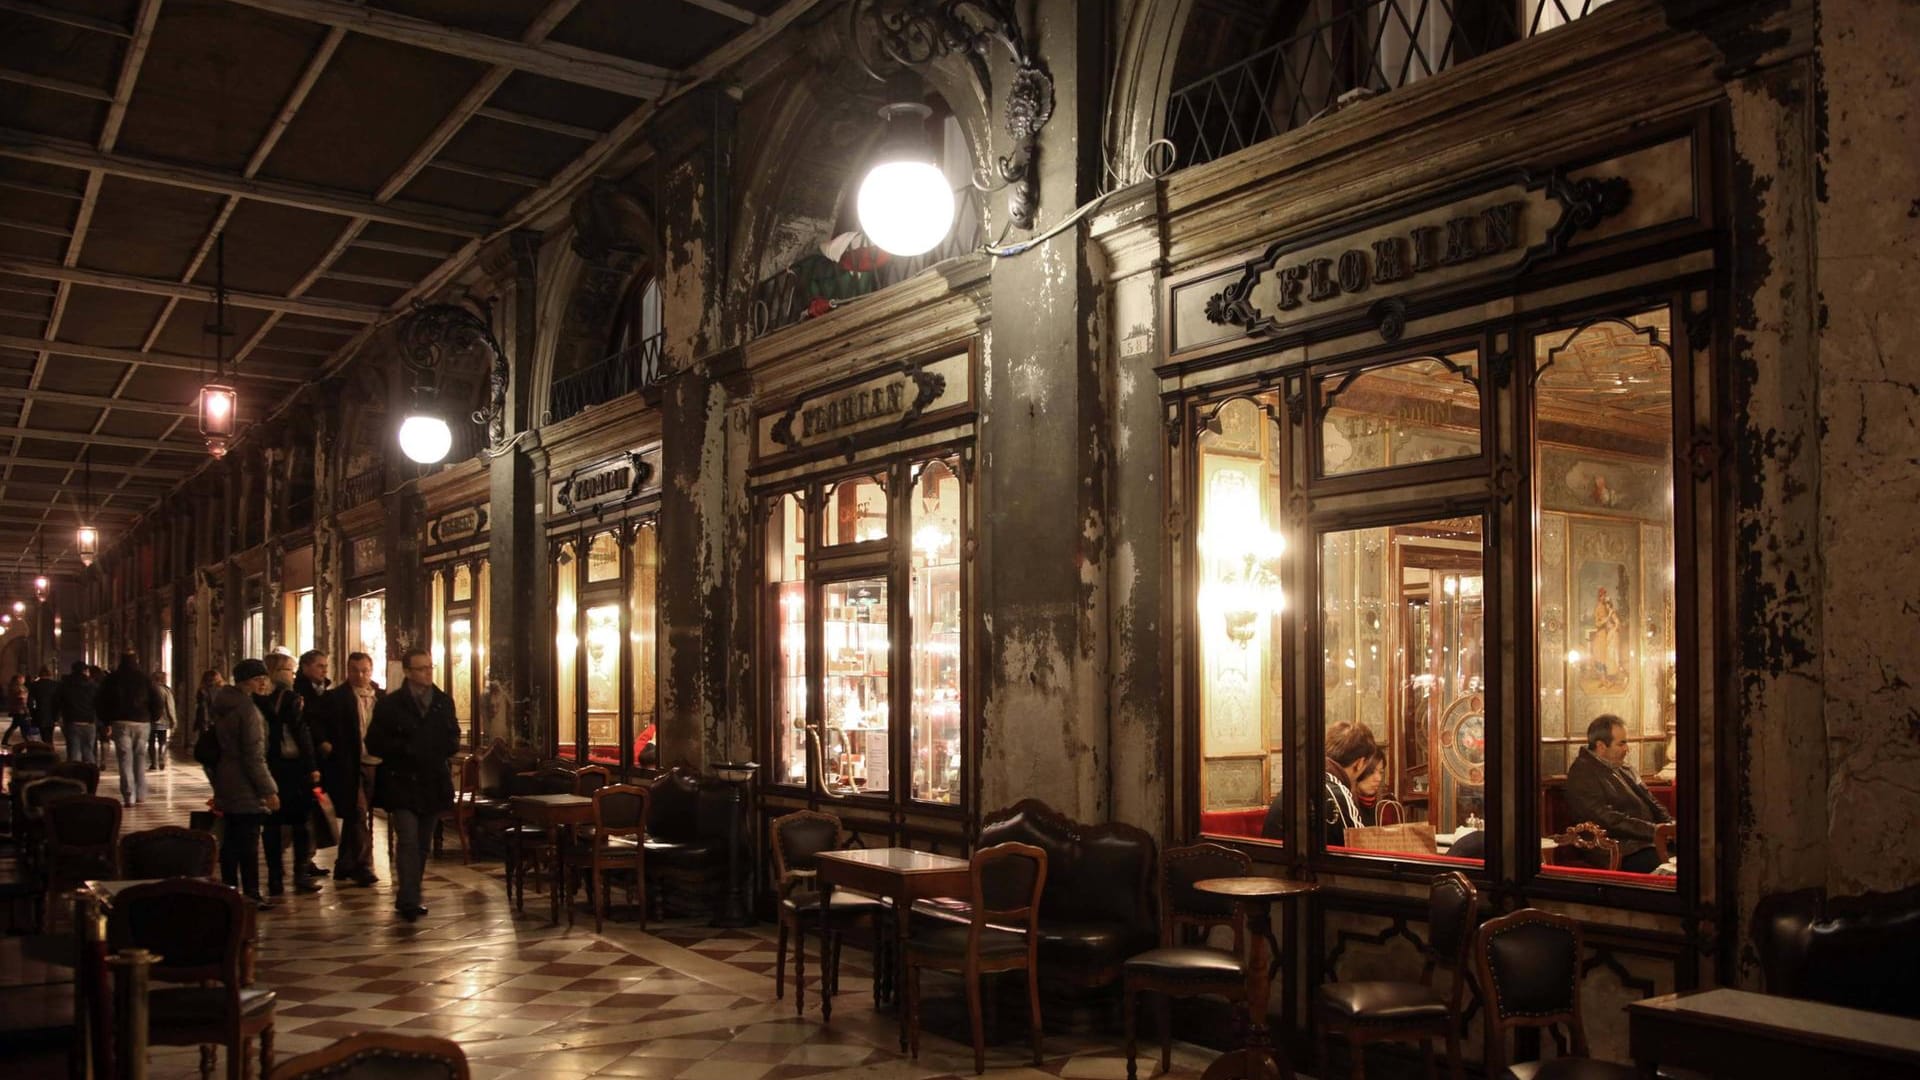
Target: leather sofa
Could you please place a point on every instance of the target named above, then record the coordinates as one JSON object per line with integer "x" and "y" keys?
{"x": 686, "y": 858}
{"x": 1097, "y": 908}
{"x": 1862, "y": 952}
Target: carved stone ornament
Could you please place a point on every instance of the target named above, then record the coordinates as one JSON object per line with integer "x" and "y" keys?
{"x": 1428, "y": 244}
{"x": 1506, "y": 478}
{"x": 1704, "y": 453}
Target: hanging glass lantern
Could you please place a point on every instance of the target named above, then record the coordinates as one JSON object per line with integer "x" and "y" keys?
{"x": 218, "y": 405}
{"x": 88, "y": 540}
{"x": 40, "y": 587}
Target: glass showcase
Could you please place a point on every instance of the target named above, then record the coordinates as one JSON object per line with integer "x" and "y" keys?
{"x": 866, "y": 696}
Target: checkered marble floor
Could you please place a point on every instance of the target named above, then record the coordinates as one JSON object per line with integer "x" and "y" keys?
{"x": 683, "y": 1002}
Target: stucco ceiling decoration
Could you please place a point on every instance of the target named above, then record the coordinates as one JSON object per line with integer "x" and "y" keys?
{"x": 355, "y": 154}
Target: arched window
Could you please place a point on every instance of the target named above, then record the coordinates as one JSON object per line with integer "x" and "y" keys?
{"x": 628, "y": 360}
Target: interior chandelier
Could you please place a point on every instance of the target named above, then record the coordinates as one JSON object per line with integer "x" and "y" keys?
{"x": 219, "y": 402}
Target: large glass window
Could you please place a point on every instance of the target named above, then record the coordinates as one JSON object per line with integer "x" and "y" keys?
{"x": 1605, "y": 653}
{"x": 1403, "y": 689}
{"x": 938, "y": 656}
{"x": 1404, "y": 413}
{"x": 566, "y": 646}
{"x": 367, "y": 630}
{"x": 299, "y": 621}
{"x": 605, "y": 590}
{"x": 846, "y": 660}
{"x": 1240, "y": 548}
{"x": 459, "y": 640}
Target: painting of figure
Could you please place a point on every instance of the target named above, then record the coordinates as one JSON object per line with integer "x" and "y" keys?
{"x": 1604, "y": 663}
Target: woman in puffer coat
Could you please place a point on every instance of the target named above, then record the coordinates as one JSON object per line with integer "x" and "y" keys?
{"x": 243, "y": 788}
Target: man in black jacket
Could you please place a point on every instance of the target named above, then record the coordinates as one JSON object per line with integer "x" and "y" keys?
{"x": 77, "y": 718}
{"x": 346, "y": 771}
{"x": 129, "y": 703}
{"x": 1604, "y": 789}
{"x": 296, "y": 769}
{"x": 44, "y": 696}
{"x": 415, "y": 734}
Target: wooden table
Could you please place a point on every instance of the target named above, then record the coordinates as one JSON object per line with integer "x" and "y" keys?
{"x": 903, "y": 876}
{"x": 554, "y": 813}
{"x": 1260, "y": 1058}
{"x": 1737, "y": 1033}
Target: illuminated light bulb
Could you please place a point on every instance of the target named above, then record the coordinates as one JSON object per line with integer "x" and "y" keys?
{"x": 425, "y": 439}
{"x": 905, "y": 204}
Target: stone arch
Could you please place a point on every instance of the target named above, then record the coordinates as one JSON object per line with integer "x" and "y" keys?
{"x": 810, "y": 128}
{"x": 1143, "y": 78}
{"x": 612, "y": 241}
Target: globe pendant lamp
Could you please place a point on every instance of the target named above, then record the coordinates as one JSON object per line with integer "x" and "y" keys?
{"x": 219, "y": 402}
{"x": 905, "y": 204}
{"x": 424, "y": 437}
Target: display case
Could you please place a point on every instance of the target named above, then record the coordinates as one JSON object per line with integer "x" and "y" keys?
{"x": 867, "y": 697}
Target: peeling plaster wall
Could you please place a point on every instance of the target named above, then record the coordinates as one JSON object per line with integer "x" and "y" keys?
{"x": 1779, "y": 756}
{"x": 1868, "y": 258}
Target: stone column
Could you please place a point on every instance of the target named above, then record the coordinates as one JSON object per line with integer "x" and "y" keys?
{"x": 329, "y": 575}
{"x": 1044, "y": 464}
{"x": 517, "y": 610}
{"x": 693, "y": 154}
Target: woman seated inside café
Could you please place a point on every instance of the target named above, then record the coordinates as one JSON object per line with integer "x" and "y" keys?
{"x": 1352, "y": 752}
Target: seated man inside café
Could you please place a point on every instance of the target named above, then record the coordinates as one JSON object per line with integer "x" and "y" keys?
{"x": 906, "y": 539}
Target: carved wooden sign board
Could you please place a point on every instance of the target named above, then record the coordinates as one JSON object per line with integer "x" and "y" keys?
{"x": 839, "y": 416}
{"x": 607, "y": 483}
{"x": 1498, "y": 229}
{"x": 459, "y": 525}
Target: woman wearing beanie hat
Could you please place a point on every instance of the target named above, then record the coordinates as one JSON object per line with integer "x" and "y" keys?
{"x": 243, "y": 789}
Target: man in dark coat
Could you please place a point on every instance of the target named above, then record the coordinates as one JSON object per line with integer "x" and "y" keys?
{"x": 415, "y": 734}
{"x": 346, "y": 772}
{"x": 1604, "y": 789}
{"x": 128, "y": 702}
{"x": 295, "y": 767}
{"x": 44, "y": 696}
{"x": 77, "y": 718}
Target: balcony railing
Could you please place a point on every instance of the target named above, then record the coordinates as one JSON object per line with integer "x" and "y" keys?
{"x": 632, "y": 368}
{"x": 816, "y": 285}
{"x": 361, "y": 487}
{"x": 1362, "y": 49}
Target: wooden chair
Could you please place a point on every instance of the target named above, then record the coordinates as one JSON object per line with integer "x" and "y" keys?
{"x": 616, "y": 843}
{"x": 379, "y": 1055}
{"x": 31, "y": 828}
{"x": 1179, "y": 967}
{"x": 466, "y": 803}
{"x": 591, "y": 779}
{"x": 1007, "y": 882}
{"x": 1382, "y": 1011}
{"x": 86, "y": 772}
{"x": 1586, "y": 844}
{"x": 460, "y": 770}
{"x": 1529, "y": 965}
{"x": 198, "y": 930}
{"x": 1663, "y": 836}
{"x": 798, "y": 839}
{"x": 529, "y": 844}
{"x": 167, "y": 852}
{"x": 82, "y": 838}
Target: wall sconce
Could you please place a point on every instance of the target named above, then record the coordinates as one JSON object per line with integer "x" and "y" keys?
{"x": 913, "y": 33}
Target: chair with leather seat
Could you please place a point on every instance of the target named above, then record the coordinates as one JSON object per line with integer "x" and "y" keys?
{"x": 31, "y": 827}
{"x": 1006, "y": 882}
{"x": 198, "y": 930}
{"x": 687, "y": 840}
{"x": 1586, "y": 844}
{"x": 1393, "y": 1011}
{"x": 379, "y": 1055}
{"x": 798, "y": 839}
{"x": 1179, "y": 967}
{"x": 529, "y": 844}
{"x": 82, "y": 844}
{"x": 591, "y": 778}
{"x": 1529, "y": 971}
{"x": 616, "y": 843}
{"x": 1858, "y": 952}
{"x": 86, "y": 772}
{"x": 167, "y": 852}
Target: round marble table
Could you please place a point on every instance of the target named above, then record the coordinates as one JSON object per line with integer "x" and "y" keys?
{"x": 1260, "y": 1059}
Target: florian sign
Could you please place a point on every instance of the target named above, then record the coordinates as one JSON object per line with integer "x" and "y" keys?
{"x": 1383, "y": 269}
{"x": 603, "y": 483}
{"x": 890, "y": 400}
{"x": 457, "y": 526}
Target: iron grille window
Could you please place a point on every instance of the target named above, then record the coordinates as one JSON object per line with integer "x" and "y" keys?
{"x": 1346, "y": 51}
{"x": 630, "y": 369}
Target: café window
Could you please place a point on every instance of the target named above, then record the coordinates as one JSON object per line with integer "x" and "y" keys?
{"x": 460, "y": 639}
{"x": 1403, "y": 689}
{"x": 1605, "y": 600}
{"x": 1238, "y": 618}
{"x": 606, "y": 587}
{"x": 1404, "y": 413}
{"x": 299, "y": 621}
{"x": 865, "y": 616}
{"x": 367, "y": 632}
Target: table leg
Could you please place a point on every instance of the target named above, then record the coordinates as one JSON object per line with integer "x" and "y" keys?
{"x": 1260, "y": 1058}
{"x": 559, "y": 871}
{"x": 902, "y": 914}
{"x": 824, "y": 984}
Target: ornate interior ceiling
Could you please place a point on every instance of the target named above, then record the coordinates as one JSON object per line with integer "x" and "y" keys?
{"x": 354, "y": 154}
